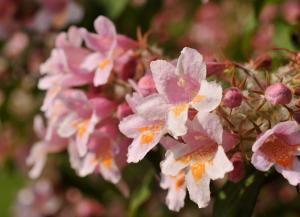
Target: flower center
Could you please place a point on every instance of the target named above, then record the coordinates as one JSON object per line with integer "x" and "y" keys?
{"x": 104, "y": 63}
{"x": 148, "y": 133}
{"x": 278, "y": 151}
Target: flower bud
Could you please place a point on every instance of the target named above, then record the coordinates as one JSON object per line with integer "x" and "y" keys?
{"x": 263, "y": 61}
{"x": 238, "y": 168}
{"x": 278, "y": 94}
{"x": 215, "y": 68}
{"x": 297, "y": 91}
{"x": 146, "y": 85}
{"x": 296, "y": 116}
{"x": 123, "y": 110}
{"x": 232, "y": 97}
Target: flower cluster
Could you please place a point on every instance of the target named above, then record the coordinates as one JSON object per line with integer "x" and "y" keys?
{"x": 110, "y": 97}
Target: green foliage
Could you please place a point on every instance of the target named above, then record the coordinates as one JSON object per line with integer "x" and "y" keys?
{"x": 140, "y": 196}
{"x": 11, "y": 182}
{"x": 239, "y": 199}
{"x": 113, "y": 8}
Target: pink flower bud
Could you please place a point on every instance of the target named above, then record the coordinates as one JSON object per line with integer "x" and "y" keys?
{"x": 146, "y": 85}
{"x": 232, "y": 97}
{"x": 123, "y": 110}
{"x": 229, "y": 140}
{"x": 215, "y": 68}
{"x": 297, "y": 91}
{"x": 238, "y": 168}
{"x": 296, "y": 116}
{"x": 263, "y": 61}
{"x": 278, "y": 94}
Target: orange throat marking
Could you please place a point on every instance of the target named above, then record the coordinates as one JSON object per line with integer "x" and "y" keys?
{"x": 148, "y": 133}
{"x": 178, "y": 109}
{"x": 104, "y": 63}
{"x": 279, "y": 152}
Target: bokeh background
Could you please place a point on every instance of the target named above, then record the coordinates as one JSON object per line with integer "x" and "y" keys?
{"x": 220, "y": 30}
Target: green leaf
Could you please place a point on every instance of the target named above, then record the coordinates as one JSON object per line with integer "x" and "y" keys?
{"x": 114, "y": 8}
{"x": 140, "y": 196}
{"x": 282, "y": 36}
{"x": 239, "y": 199}
{"x": 10, "y": 184}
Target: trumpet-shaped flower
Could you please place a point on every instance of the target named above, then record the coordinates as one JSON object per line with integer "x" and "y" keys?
{"x": 176, "y": 190}
{"x": 62, "y": 70}
{"x": 105, "y": 146}
{"x": 201, "y": 156}
{"x": 38, "y": 154}
{"x": 184, "y": 85}
{"x": 103, "y": 43}
{"x": 82, "y": 118}
{"x": 146, "y": 127}
{"x": 279, "y": 147}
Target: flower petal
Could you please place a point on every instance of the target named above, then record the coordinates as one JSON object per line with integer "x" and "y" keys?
{"x": 176, "y": 191}
{"x": 198, "y": 189}
{"x": 103, "y": 72}
{"x": 88, "y": 165}
{"x": 37, "y": 158}
{"x": 84, "y": 130}
{"x": 91, "y": 62}
{"x": 153, "y": 107}
{"x": 66, "y": 127}
{"x": 209, "y": 96}
{"x": 293, "y": 176}
{"x": 110, "y": 171}
{"x": 170, "y": 166}
{"x": 191, "y": 62}
{"x": 177, "y": 117}
{"x": 219, "y": 166}
{"x": 162, "y": 72}
{"x": 260, "y": 162}
{"x": 211, "y": 124}
{"x": 143, "y": 144}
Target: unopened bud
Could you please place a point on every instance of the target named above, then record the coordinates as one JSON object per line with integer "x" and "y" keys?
{"x": 233, "y": 97}
{"x": 278, "y": 94}
{"x": 263, "y": 61}
{"x": 296, "y": 116}
{"x": 238, "y": 168}
{"x": 147, "y": 85}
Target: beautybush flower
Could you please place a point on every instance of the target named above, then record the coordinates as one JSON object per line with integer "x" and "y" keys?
{"x": 200, "y": 157}
{"x": 176, "y": 190}
{"x": 106, "y": 152}
{"x": 107, "y": 47}
{"x": 146, "y": 127}
{"x": 62, "y": 70}
{"x": 82, "y": 118}
{"x": 279, "y": 147}
{"x": 40, "y": 150}
{"x": 184, "y": 85}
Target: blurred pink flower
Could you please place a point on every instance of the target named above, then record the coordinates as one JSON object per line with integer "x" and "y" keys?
{"x": 279, "y": 147}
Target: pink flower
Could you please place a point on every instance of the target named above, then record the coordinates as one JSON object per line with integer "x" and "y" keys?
{"x": 57, "y": 14}
{"x": 62, "y": 70}
{"x": 103, "y": 44}
{"x": 105, "y": 146}
{"x": 38, "y": 154}
{"x": 184, "y": 86}
{"x": 146, "y": 127}
{"x": 82, "y": 118}
{"x": 201, "y": 156}
{"x": 176, "y": 190}
{"x": 279, "y": 147}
